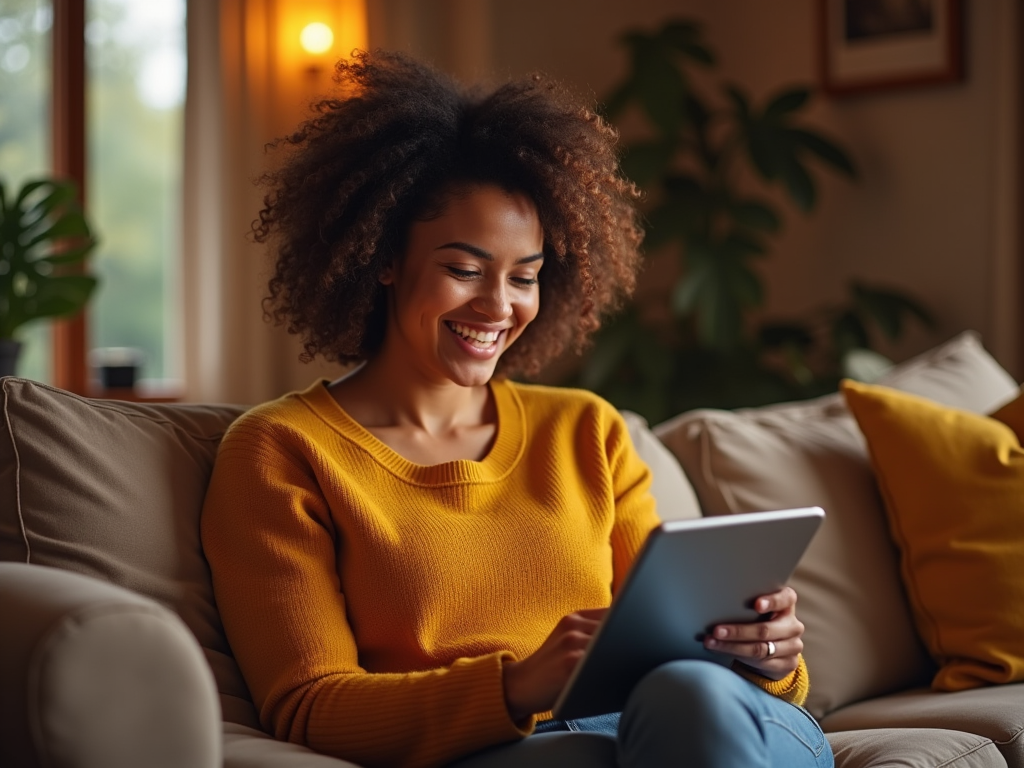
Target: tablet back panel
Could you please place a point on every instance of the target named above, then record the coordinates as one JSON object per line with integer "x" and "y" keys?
{"x": 689, "y": 576}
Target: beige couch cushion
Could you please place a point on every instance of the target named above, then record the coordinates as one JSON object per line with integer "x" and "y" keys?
{"x": 669, "y": 486}
{"x": 918, "y": 748}
{"x": 995, "y": 713}
{"x": 860, "y": 640}
{"x": 114, "y": 490}
{"x": 246, "y": 747}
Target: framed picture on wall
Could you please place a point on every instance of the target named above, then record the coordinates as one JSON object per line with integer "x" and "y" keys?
{"x": 869, "y": 45}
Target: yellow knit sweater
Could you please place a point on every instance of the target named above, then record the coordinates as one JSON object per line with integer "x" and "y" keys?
{"x": 371, "y": 602}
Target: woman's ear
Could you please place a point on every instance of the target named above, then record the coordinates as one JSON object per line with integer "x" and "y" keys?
{"x": 387, "y": 276}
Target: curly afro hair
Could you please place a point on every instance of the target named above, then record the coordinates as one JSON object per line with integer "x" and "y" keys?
{"x": 393, "y": 147}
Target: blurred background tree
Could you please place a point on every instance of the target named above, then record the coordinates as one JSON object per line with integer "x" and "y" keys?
{"x": 705, "y": 162}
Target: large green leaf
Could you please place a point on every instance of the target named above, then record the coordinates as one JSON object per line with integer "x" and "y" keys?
{"x": 825, "y": 149}
{"x": 69, "y": 225}
{"x": 765, "y": 151}
{"x": 797, "y": 181}
{"x": 41, "y": 233}
{"x": 786, "y": 102}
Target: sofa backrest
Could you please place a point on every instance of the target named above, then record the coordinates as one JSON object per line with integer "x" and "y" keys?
{"x": 114, "y": 490}
{"x": 860, "y": 640}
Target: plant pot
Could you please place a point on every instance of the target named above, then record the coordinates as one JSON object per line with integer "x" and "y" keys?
{"x": 9, "y": 350}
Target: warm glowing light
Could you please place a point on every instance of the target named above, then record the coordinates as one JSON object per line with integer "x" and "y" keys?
{"x": 316, "y": 38}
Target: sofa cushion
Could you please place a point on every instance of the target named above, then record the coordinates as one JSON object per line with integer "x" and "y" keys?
{"x": 669, "y": 486}
{"x": 953, "y": 483}
{"x": 246, "y": 747}
{"x": 913, "y": 748}
{"x": 860, "y": 640}
{"x": 114, "y": 490}
{"x": 995, "y": 713}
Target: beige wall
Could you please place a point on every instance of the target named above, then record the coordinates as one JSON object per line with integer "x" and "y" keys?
{"x": 935, "y": 210}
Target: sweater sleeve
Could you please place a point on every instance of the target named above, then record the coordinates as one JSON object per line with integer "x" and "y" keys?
{"x": 271, "y": 543}
{"x": 635, "y": 514}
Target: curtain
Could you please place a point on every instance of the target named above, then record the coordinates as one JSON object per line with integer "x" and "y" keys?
{"x": 243, "y": 91}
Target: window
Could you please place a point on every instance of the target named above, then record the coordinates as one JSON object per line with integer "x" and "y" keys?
{"x": 134, "y": 94}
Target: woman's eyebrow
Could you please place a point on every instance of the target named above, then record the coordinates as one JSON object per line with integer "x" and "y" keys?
{"x": 482, "y": 254}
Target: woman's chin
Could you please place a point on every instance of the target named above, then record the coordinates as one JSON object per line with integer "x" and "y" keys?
{"x": 475, "y": 374}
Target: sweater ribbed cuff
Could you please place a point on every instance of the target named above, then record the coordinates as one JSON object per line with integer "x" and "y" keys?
{"x": 792, "y": 688}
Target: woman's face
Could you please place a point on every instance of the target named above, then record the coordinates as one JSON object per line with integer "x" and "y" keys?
{"x": 467, "y": 285}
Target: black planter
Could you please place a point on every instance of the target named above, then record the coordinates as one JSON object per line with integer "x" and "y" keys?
{"x": 9, "y": 350}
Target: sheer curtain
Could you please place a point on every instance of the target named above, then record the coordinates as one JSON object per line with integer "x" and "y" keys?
{"x": 239, "y": 99}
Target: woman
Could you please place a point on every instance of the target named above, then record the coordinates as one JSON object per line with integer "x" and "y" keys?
{"x": 410, "y": 560}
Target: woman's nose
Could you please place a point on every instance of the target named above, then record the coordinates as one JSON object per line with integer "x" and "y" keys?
{"x": 494, "y": 302}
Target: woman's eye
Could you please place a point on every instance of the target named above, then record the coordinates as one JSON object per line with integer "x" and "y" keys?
{"x": 525, "y": 282}
{"x": 463, "y": 273}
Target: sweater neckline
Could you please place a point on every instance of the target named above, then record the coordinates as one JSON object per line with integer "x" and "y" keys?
{"x": 503, "y": 456}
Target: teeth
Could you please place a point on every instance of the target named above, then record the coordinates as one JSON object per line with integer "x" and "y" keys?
{"x": 483, "y": 337}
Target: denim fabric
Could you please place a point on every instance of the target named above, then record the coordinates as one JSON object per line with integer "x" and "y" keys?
{"x": 608, "y": 724}
{"x": 685, "y": 713}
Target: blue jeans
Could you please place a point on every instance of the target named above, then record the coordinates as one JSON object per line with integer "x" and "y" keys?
{"x": 684, "y": 714}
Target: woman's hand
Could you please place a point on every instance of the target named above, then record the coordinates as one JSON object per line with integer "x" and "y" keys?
{"x": 753, "y": 643}
{"x": 533, "y": 684}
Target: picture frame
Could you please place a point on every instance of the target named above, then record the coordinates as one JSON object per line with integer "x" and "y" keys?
{"x": 872, "y": 45}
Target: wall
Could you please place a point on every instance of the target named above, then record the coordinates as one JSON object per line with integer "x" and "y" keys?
{"x": 936, "y": 206}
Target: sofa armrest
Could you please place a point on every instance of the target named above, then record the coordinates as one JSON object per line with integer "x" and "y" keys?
{"x": 94, "y": 675}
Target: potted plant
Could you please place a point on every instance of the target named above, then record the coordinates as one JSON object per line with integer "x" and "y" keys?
{"x": 707, "y": 156}
{"x": 44, "y": 241}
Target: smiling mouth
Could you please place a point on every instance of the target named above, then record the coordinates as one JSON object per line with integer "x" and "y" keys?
{"x": 480, "y": 339}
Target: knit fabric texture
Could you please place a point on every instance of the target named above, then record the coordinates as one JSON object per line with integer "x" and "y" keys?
{"x": 371, "y": 602}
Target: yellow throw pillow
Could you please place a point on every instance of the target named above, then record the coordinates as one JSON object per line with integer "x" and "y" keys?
{"x": 953, "y": 483}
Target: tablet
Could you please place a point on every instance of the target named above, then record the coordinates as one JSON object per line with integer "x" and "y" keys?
{"x": 689, "y": 576}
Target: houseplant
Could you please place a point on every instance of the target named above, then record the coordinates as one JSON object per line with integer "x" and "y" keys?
{"x": 705, "y": 159}
{"x": 44, "y": 241}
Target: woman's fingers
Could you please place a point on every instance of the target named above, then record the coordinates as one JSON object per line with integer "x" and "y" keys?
{"x": 533, "y": 684}
{"x": 780, "y": 628}
{"x": 760, "y": 650}
{"x": 772, "y": 647}
{"x": 776, "y": 602}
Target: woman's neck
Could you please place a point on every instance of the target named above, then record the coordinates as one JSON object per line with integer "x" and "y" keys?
{"x": 379, "y": 395}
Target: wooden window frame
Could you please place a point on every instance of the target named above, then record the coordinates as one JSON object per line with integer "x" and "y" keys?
{"x": 70, "y": 371}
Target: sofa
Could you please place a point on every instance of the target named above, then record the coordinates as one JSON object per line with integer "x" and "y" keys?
{"x": 112, "y": 653}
